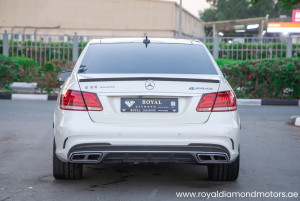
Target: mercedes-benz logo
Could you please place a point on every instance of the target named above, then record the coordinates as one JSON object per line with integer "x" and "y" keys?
{"x": 149, "y": 84}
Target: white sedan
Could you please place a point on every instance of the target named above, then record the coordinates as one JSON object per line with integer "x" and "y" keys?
{"x": 142, "y": 100}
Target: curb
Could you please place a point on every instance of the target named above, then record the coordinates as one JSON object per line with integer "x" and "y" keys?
{"x": 294, "y": 120}
{"x": 260, "y": 102}
{"x": 252, "y": 102}
{"x": 32, "y": 97}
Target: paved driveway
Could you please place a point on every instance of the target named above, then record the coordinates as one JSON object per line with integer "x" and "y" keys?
{"x": 270, "y": 161}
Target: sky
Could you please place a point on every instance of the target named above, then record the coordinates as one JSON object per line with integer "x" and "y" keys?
{"x": 193, "y": 6}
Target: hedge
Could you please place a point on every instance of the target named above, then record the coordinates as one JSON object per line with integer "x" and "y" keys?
{"x": 17, "y": 69}
{"x": 20, "y": 69}
{"x": 266, "y": 78}
{"x": 48, "y": 74}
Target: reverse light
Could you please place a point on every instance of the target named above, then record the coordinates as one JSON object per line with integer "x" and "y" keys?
{"x": 217, "y": 102}
{"x": 81, "y": 101}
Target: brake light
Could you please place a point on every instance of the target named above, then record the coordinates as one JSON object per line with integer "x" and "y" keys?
{"x": 72, "y": 100}
{"x": 82, "y": 101}
{"x": 217, "y": 102}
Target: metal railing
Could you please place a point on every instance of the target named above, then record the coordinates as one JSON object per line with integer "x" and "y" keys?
{"x": 245, "y": 48}
{"x": 44, "y": 48}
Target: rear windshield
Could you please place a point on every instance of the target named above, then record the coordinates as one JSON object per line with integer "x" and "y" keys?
{"x": 156, "y": 58}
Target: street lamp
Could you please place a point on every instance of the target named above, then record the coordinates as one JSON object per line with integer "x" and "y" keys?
{"x": 180, "y": 20}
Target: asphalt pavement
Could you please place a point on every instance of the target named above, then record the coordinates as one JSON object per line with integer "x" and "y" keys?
{"x": 270, "y": 161}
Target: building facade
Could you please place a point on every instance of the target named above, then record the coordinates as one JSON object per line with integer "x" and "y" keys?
{"x": 102, "y": 18}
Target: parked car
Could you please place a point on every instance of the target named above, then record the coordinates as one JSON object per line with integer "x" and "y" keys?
{"x": 142, "y": 100}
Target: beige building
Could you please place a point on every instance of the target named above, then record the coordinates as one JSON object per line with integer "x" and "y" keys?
{"x": 101, "y": 18}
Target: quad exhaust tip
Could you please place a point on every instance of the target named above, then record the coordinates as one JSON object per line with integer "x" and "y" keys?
{"x": 213, "y": 158}
{"x": 85, "y": 157}
{"x": 95, "y": 157}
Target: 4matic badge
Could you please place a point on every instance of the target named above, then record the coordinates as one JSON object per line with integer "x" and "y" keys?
{"x": 200, "y": 88}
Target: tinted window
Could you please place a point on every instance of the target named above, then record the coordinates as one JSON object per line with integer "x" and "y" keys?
{"x": 157, "y": 58}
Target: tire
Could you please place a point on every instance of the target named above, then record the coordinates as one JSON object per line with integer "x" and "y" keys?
{"x": 65, "y": 170}
{"x": 224, "y": 172}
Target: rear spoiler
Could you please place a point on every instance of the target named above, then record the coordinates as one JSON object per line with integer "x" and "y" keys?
{"x": 147, "y": 78}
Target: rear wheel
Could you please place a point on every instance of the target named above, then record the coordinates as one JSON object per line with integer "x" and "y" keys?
{"x": 224, "y": 172}
{"x": 65, "y": 170}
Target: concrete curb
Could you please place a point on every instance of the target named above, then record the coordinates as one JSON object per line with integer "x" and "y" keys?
{"x": 294, "y": 120}
{"x": 256, "y": 102}
{"x": 253, "y": 102}
{"x": 31, "y": 97}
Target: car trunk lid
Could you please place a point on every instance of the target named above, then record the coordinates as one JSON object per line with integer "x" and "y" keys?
{"x": 183, "y": 91}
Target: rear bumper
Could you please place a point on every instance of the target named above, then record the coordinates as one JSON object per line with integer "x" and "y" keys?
{"x": 104, "y": 153}
{"x": 73, "y": 129}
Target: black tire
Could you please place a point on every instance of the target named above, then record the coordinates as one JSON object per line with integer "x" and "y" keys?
{"x": 224, "y": 172}
{"x": 65, "y": 170}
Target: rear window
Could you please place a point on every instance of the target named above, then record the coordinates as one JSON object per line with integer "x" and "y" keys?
{"x": 157, "y": 58}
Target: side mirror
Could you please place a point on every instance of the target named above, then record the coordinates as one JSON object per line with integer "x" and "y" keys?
{"x": 63, "y": 76}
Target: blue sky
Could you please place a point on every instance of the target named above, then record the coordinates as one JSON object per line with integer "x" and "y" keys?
{"x": 193, "y": 6}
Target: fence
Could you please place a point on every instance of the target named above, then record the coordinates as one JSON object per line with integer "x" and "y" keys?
{"x": 244, "y": 48}
{"x": 44, "y": 48}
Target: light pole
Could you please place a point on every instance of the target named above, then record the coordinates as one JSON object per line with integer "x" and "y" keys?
{"x": 180, "y": 20}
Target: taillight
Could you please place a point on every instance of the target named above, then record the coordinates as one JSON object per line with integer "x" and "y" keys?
{"x": 92, "y": 101}
{"x": 206, "y": 103}
{"x": 77, "y": 100}
{"x": 217, "y": 102}
{"x": 72, "y": 100}
{"x": 225, "y": 101}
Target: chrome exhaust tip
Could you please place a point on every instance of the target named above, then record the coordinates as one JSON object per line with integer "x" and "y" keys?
{"x": 85, "y": 157}
{"x": 213, "y": 158}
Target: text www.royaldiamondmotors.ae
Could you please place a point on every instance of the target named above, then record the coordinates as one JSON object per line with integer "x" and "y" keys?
{"x": 228, "y": 194}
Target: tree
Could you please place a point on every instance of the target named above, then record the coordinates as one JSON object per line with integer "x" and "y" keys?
{"x": 239, "y": 9}
{"x": 225, "y": 10}
{"x": 287, "y": 5}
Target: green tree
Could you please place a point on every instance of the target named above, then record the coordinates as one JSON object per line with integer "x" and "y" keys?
{"x": 286, "y": 5}
{"x": 239, "y": 9}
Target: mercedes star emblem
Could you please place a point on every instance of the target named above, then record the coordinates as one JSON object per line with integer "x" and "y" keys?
{"x": 149, "y": 84}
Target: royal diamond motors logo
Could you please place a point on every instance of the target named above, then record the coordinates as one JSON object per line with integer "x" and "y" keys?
{"x": 129, "y": 103}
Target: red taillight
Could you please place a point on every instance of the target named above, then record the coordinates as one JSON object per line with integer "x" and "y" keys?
{"x": 206, "y": 103}
{"x": 92, "y": 101}
{"x": 225, "y": 101}
{"x": 72, "y": 100}
{"x": 217, "y": 102}
{"x": 77, "y": 100}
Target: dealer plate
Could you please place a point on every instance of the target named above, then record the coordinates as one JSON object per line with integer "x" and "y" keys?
{"x": 149, "y": 104}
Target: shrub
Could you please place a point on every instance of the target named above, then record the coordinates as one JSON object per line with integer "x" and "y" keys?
{"x": 16, "y": 69}
{"x": 30, "y": 68}
{"x": 49, "y": 72}
{"x": 10, "y": 71}
{"x": 266, "y": 78}
{"x": 222, "y": 62}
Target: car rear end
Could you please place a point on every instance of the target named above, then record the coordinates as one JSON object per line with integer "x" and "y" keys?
{"x": 165, "y": 101}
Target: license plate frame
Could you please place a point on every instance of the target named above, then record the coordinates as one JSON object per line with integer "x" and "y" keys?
{"x": 156, "y": 105}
